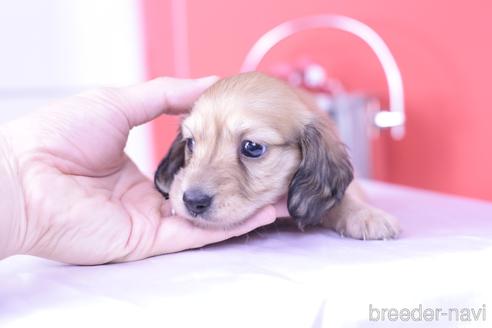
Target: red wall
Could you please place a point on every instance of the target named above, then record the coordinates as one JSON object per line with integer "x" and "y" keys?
{"x": 443, "y": 49}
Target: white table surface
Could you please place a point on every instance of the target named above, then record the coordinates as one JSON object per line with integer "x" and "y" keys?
{"x": 276, "y": 277}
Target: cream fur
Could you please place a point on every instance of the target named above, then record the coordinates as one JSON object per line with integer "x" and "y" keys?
{"x": 256, "y": 107}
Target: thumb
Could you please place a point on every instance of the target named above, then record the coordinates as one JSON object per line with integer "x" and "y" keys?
{"x": 163, "y": 95}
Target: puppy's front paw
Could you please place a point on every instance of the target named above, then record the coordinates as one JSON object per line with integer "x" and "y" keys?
{"x": 368, "y": 223}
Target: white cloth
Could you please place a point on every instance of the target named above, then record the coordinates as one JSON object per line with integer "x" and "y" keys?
{"x": 276, "y": 277}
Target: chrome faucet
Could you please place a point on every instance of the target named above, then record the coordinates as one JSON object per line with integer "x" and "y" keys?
{"x": 394, "y": 117}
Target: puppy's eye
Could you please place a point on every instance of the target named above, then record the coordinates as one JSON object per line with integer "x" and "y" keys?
{"x": 190, "y": 143}
{"x": 252, "y": 149}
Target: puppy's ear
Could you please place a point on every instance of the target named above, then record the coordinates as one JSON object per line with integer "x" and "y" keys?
{"x": 323, "y": 175}
{"x": 170, "y": 165}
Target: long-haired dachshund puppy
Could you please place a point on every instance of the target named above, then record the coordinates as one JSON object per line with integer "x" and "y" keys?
{"x": 251, "y": 139}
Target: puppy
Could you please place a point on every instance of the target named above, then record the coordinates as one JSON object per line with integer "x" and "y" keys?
{"x": 249, "y": 140}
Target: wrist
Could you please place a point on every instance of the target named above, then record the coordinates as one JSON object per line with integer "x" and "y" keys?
{"x": 12, "y": 209}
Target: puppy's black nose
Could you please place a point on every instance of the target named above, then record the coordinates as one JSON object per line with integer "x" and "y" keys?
{"x": 196, "y": 201}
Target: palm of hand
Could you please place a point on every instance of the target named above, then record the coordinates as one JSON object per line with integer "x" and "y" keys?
{"x": 103, "y": 209}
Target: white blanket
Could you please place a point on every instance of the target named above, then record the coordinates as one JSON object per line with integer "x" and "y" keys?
{"x": 280, "y": 277}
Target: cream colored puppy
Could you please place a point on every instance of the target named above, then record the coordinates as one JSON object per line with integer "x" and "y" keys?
{"x": 251, "y": 139}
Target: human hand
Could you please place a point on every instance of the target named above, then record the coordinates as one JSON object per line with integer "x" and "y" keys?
{"x": 79, "y": 199}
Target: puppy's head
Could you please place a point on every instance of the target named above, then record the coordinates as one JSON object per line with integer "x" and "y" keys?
{"x": 249, "y": 140}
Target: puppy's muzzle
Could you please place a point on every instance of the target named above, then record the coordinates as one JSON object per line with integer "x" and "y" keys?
{"x": 196, "y": 201}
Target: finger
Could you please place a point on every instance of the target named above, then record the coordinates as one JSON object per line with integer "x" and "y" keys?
{"x": 176, "y": 234}
{"x": 164, "y": 95}
{"x": 262, "y": 217}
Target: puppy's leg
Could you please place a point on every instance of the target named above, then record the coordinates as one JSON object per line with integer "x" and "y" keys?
{"x": 354, "y": 217}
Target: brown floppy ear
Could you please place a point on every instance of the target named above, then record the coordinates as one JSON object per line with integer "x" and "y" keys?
{"x": 324, "y": 173}
{"x": 170, "y": 165}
